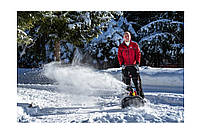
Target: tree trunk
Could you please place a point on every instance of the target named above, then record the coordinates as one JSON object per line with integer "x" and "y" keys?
{"x": 57, "y": 51}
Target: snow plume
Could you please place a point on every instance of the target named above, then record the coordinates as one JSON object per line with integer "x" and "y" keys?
{"x": 82, "y": 80}
{"x": 78, "y": 56}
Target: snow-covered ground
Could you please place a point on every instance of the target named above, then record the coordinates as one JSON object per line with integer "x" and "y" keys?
{"x": 82, "y": 94}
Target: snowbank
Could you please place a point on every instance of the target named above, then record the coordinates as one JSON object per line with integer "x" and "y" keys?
{"x": 168, "y": 79}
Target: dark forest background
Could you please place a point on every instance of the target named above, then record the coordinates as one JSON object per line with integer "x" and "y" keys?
{"x": 93, "y": 37}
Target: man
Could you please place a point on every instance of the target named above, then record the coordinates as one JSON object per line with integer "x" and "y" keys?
{"x": 129, "y": 59}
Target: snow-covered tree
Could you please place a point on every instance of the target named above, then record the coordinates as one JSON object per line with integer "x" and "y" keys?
{"x": 161, "y": 42}
{"x": 104, "y": 48}
{"x": 75, "y": 27}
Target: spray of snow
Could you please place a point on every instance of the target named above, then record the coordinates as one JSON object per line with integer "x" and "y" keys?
{"x": 82, "y": 80}
{"x": 78, "y": 56}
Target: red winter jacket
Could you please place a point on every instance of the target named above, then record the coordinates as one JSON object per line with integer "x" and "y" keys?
{"x": 129, "y": 55}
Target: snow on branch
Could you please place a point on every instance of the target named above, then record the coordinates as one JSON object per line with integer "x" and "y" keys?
{"x": 163, "y": 25}
{"x": 155, "y": 37}
{"x": 23, "y": 38}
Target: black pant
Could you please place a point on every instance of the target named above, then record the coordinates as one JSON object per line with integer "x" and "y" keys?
{"x": 132, "y": 72}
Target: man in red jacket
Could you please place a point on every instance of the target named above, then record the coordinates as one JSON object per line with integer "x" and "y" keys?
{"x": 129, "y": 59}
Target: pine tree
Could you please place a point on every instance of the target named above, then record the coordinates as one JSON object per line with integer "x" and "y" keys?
{"x": 72, "y": 27}
{"x": 104, "y": 48}
{"x": 160, "y": 36}
{"x": 161, "y": 41}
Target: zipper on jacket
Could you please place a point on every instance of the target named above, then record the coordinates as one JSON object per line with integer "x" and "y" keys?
{"x": 128, "y": 56}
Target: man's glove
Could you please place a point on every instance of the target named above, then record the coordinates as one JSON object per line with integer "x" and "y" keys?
{"x": 123, "y": 67}
{"x": 137, "y": 66}
{"x": 137, "y": 63}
